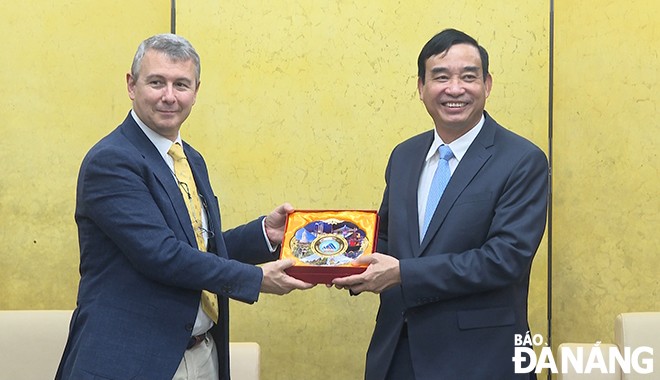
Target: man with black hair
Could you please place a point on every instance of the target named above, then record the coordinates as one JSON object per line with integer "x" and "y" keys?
{"x": 463, "y": 213}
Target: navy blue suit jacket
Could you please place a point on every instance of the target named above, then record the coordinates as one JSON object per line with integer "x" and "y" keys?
{"x": 463, "y": 291}
{"x": 141, "y": 274}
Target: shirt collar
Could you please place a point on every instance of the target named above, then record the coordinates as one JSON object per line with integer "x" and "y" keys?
{"x": 459, "y": 146}
{"x": 161, "y": 143}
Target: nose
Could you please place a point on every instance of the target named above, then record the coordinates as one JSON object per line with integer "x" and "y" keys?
{"x": 168, "y": 94}
{"x": 455, "y": 86}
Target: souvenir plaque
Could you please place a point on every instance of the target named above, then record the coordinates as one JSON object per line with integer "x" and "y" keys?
{"x": 324, "y": 243}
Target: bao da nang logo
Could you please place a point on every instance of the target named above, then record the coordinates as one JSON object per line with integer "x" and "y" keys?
{"x": 595, "y": 359}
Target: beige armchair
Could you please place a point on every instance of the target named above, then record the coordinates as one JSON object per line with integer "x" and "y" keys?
{"x": 32, "y": 341}
{"x": 637, "y": 338}
{"x": 635, "y": 330}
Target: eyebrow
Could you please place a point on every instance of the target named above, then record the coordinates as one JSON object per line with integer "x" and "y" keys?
{"x": 158, "y": 76}
{"x": 442, "y": 69}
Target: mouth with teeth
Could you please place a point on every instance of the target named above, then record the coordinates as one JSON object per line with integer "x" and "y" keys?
{"x": 455, "y": 104}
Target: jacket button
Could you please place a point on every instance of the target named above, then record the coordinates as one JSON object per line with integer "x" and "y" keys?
{"x": 189, "y": 327}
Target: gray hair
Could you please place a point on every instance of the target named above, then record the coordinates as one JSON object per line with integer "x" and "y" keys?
{"x": 175, "y": 47}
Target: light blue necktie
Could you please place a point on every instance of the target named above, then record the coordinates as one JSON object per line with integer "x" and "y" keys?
{"x": 438, "y": 185}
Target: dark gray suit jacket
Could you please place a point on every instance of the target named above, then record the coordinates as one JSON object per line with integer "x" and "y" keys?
{"x": 141, "y": 274}
{"x": 464, "y": 288}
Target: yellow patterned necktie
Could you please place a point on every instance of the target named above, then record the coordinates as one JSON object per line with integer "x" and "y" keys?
{"x": 188, "y": 190}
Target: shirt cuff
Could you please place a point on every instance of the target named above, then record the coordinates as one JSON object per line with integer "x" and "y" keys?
{"x": 270, "y": 245}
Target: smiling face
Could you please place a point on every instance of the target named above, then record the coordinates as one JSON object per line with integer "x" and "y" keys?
{"x": 163, "y": 92}
{"x": 454, "y": 90}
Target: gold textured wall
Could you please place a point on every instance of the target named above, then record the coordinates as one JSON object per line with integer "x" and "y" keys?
{"x": 606, "y": 181}
{"x": 302, "y": 101}
{"x": 64, "y": 65}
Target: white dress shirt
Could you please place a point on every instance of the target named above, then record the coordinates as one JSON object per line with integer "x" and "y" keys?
{"x": 458, "y": 147}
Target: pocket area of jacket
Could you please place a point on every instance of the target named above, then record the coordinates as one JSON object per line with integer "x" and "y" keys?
{"x": 482, "y": 318}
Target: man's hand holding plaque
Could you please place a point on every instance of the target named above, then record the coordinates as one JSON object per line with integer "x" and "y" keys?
{"x": 275, "y": 279}
{"x": 381, "y": 274}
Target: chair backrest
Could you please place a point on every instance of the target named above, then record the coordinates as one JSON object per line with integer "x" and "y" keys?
{"x": 637, "y": 330}
{"x": 32, "y": 342}
{"x": 244, "y": 360}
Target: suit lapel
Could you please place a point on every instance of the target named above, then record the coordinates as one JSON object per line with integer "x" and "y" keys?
{"x": 204, "y": 189}
{"x": 201, "y": 177}
{"x": 473, "y": 160}
{"x": 412, "y": 202}
{"x": 163, "y": 173}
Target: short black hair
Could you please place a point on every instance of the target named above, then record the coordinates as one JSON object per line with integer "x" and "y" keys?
{"x": 443, "y": 41}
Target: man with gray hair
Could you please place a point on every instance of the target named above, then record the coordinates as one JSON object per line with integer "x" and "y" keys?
{"x": 156, "y": 269}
